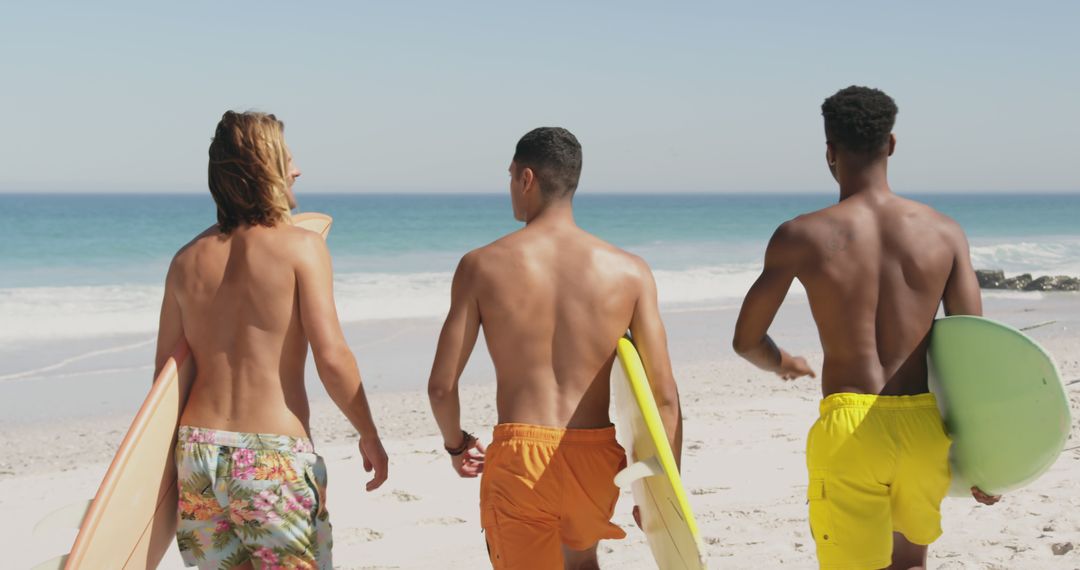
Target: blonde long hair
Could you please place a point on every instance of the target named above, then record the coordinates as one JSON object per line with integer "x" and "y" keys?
{"x": 248, "y": 172}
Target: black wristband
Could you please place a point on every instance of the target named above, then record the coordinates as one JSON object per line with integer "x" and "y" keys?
{"x": 467, "y": 439}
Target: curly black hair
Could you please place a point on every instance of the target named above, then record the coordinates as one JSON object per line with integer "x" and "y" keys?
{"x": 859, "y": 119}
{"x": 554, "y": 155}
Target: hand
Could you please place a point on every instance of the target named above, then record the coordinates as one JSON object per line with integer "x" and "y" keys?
{"x": 983, "y": 497}
{"x": 371, "y": 449}
{"x": 470, "y": 463}
{"x": 792, "y": 367}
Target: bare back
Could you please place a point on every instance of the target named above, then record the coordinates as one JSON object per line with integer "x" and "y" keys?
{"x": 238, "y": 301}
{"x": 553, "y": 304}
{"x": 876, "y": 268}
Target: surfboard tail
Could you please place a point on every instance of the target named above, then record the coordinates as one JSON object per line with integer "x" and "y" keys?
{"x": 639, "y": 470}
{"x": 66, "y": 517}
{"x": 53, "y": 564}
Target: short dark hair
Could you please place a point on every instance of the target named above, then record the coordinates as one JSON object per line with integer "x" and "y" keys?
{"x": 859, "y": 119}
{"x": 554, "y": 155}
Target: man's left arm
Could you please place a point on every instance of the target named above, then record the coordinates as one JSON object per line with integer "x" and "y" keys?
{"x": 170, "y": 325}
{"x": 759, "y": 308}
{"x": 456, "y": 344}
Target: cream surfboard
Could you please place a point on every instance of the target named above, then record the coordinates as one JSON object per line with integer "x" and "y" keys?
{"x": 651, "y": 471}
{"x": 132, "y": 520}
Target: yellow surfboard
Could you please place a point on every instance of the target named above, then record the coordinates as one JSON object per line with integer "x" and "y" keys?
{"x": 651, "y": 471}
{"x": 132, "y": 521}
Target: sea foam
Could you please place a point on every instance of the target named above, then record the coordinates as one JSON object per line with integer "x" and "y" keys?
{"x": 42, "y": 313}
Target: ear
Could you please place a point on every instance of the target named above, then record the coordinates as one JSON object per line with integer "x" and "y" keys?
{"x": 830, "y": 154}
{"x": 528, "y": 179}
{"x": 892, "y": 143}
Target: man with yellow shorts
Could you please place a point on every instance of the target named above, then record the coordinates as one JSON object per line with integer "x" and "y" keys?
{"x": 876, "y": 267}
{"x": 553, "y": 301}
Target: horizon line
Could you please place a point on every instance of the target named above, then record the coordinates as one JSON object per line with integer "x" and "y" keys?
{"x": 301, "y": 194}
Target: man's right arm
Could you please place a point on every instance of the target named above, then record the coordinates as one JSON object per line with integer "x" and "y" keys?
{"x": 650, "y": 338}
{"x": 333, "y": 358}
{"x": 962, "y": 295}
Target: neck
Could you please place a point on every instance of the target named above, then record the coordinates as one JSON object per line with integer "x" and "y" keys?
{"x": 555, "y": 213}
{"x": 869, "y": 179}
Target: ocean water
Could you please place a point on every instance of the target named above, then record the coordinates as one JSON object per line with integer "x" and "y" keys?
{"x": 78, "y": 266}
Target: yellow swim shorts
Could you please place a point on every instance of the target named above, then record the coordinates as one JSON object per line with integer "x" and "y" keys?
{"x": 878, "y": 465}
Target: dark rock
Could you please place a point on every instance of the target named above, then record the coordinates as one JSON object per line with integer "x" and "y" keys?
{"x": 1058, "y": 283}
{"x": 995, "y": 279}
{"x": 1066, "y": 283}
{"x": 1044, "y": 283}
{"x": 990, "y": 278}
{"x": 1061, "y": 548}
{"x": 1018, "y": 283}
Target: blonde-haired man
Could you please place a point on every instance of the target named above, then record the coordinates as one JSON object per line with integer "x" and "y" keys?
{"x": 249, "y": 295}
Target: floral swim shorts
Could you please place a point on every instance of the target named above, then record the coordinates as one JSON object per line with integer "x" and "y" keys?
{"x": 247, "y": 496}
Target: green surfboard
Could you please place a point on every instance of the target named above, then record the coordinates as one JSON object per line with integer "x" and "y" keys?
{"x": 1002, "y": 400}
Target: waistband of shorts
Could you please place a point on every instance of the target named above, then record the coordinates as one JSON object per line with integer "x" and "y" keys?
{"x": 257, "y": 441}
{"x": 867, "y": 401}
{"x": 552, "y": 435}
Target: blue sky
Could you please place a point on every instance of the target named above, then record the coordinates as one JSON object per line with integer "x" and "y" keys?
{"x": 432, "y": 96}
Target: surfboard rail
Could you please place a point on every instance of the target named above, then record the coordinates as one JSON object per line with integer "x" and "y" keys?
{"x": 652, "y": 473}
{"x": 162, "y": 391}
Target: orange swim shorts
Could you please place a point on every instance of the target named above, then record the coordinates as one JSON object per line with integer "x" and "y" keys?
{"x": 544, "y": 488}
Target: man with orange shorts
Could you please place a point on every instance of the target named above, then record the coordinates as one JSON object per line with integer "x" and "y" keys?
{"x": 553, "y": 301}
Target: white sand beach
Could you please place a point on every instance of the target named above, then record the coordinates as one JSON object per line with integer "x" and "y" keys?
{"x": 743, "y": 461}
